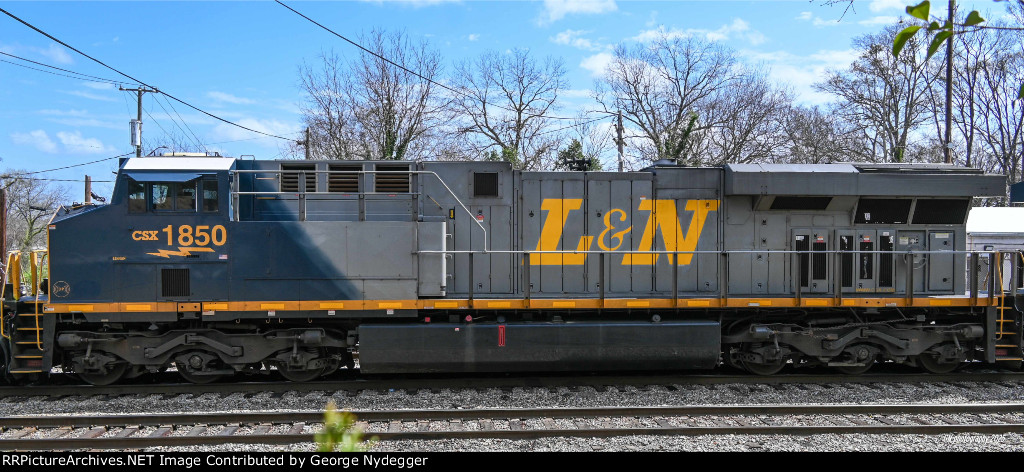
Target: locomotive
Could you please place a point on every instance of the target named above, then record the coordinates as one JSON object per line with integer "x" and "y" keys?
{"x": 215, "y": 266}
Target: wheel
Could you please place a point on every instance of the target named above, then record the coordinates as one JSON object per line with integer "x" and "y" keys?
{"x": 196, "y": 378}
{"x": 113, "y": 374}
{"x": 763, "y": 369}
{"x": 301, "y": 375}
{"x": 932, "y": 365}
{"x": 858, "y": 353}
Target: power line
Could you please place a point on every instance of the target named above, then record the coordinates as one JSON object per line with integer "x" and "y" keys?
{"x": 198, "y": 141}
{"x": 95, "y": 79}
{"x": 19, "y": 177}
{"x": 417, "y": 74}
{"x": 75, "y": 165}
{"x": 172, "y": 97}
{"x": 573, "y": 125}
{"x": 57, "y": 74}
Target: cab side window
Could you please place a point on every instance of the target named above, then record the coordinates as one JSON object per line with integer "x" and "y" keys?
{"x": 210, "y": 201}
{"x": 162, "y": 196}
{"x": 137, "y": 197}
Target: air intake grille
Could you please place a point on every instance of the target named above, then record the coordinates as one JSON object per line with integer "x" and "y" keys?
{"x": 290, "y": 177}
{"x": 343, "y": 179}
{"x": 386, "y": 182}
{"x": 174, "y": 283}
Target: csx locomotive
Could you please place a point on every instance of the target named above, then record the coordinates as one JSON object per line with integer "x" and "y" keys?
{"x": 215, "y": 266}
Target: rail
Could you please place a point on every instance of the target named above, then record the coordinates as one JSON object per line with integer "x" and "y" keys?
{"x": 302, "y": 190}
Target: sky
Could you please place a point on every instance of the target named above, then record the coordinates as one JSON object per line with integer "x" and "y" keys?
{"x": 240, "y": 60}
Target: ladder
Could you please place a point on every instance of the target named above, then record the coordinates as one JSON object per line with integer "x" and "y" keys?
{"x": 27, "y": 331}
{"x": 1008, "y": 324}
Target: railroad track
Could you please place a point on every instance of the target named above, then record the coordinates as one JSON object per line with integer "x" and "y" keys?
{"x": 206, "y": 429}
{"x": 68, "y": 387}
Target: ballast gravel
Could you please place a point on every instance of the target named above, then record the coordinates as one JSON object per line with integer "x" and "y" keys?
{"x": 586, "y": 396}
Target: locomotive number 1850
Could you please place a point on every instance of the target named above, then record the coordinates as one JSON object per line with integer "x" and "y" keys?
{"x": 198, "y": 235}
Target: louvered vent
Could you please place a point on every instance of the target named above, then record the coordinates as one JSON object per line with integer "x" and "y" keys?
{"x": 290, "y": 177}
{"x": 343, "y": 179}
{"x": 175, "y": 283}
{"x": 386, "y": 182}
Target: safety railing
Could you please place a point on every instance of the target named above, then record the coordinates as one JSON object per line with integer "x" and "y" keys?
{"x": 836, "y": 289}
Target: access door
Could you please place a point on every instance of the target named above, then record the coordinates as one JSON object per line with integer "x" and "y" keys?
{"x": 813, "y": 261}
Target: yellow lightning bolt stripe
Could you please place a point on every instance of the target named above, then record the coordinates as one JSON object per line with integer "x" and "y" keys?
{"x": 182, "y": 251}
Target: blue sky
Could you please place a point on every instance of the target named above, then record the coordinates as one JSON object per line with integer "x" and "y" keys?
{"x": 240, "y": 60}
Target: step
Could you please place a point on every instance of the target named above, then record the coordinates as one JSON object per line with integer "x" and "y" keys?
{"x": 28, "y": 357}
{"x": 30, "y": 329}
{"x": 37, "y": 371}
{"x": 1007, "y": 345}
{"x": 28, "y": 342}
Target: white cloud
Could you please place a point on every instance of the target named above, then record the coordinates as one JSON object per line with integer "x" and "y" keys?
{"x": 802, "y": 72}
{"x": 228, "y": 98}
{"x": 90, "y": 96}
{"x": 72, "y": 112}
{"x": 56, "y": 54}
{"x": 574, "y": 93}
{"x": 99, "y": 85}
{"x": 881, "y": 5}
{"x": 597, "y": 63}
{"x": 574, "y": 38}
{"x": 74, "y": 142}
{"x": 879, "y": 21}
{"x": 473, "y": 37}
{"x": 557, "y": 9}
{"x": 226, "y": 132}
{"x": 37, "y": 139}
{"x": 805, "y": 15}
{"x": 738, "y": 28}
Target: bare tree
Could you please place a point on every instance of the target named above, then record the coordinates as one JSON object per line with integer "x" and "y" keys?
{"x": 370, "y": 108}
{"x": 508, "y": 98}
{"x": 30, "y": 204}
{"x": 887, "y": 95}
{"x": 819, "y": 137}
{"x": 691, "y": 101}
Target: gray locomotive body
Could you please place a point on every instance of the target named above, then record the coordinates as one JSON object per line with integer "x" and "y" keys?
{"x": 219, "y": 265}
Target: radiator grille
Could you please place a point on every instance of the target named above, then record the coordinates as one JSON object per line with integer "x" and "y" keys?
{"x": 343, "y": 179}
{"x": 175, "y": 283}
{"x": 290, "y": 177}
{"x": 391, "y": 183}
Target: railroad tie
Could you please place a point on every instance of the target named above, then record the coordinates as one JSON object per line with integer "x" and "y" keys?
{"x": 485, "y": 425}
{"x": 663, "y": 423}
{"x": 515, "y": 425}
{"x": 395, "y": 427}
{"x": 229, "y": 429}
{"x": 127, "y": 431}
{"x": 196, "y": 430}
{"x": 549, "y": 423}
{"x": 921, "y": 420}
{"x": 62, "y": 431}
{"x": 23, "y": 432}
{"x": 422, "y": 425}
{"x": 456, "y": 425}
{"x": 95, "y": 432}
{"x": 887, "y": 420}
{"x": 296, "y": 428}
{"x": 263, "y": 428}
{"x": 162, "y": 431}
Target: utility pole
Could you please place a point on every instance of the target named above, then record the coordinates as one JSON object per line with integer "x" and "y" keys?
{"x": 619, "y": 141}
{"x": 305, "y": 144}
{"x": 949, "y": 90}
{"x": 88, "y": 190}
{"x": 136, "y": 126}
